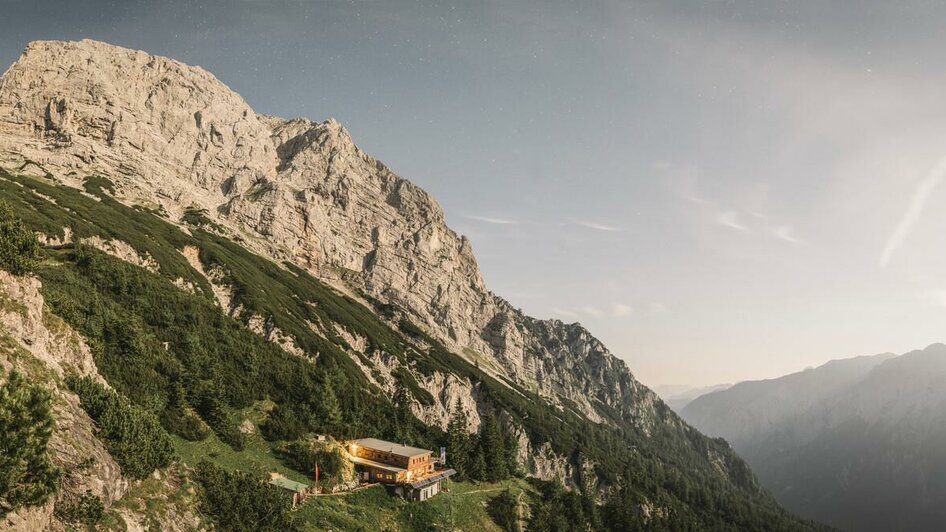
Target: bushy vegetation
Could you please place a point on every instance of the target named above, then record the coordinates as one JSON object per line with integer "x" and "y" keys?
{"x": 19, "y": 248}
{"x": 503, "y": 509}
{"x": 87, "y": 509}
{"x": 131, "y": 434}
{"x": 303, "y": 456}
{"x": 27, "y": 477}
{"x": 178, "y": 418}
{"x": 484, "y": 456}
{"x": 239, "y": 502}
{"x": 558, "y": 510}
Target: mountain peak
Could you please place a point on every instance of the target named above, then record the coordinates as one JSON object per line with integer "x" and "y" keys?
{"x": 172, "y": 134}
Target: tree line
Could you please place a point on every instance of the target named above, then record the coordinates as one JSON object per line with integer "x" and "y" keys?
{"x": 487, "y": 455}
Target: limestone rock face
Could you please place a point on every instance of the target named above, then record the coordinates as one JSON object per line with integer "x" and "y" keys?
{"x": 171, "y": 129}
{"x": 173, "y": 135}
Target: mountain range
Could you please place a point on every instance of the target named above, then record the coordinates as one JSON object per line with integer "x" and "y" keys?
{"x": 234, "y": 283}
{"x": 677, "y": 396}
{"x": 859, "y": 444}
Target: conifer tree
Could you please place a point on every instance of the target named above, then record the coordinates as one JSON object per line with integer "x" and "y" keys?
{"x": 402, "y": 400}
{"x": 19, "y": 248}
{"x": 329, "y": 408}
{"x": 477, "y": 467}
{"x": 511, "y": 445}
{"x": 493, "y": 449}
{"x": 27, "y": 477}
{"x": 458, "y": 441}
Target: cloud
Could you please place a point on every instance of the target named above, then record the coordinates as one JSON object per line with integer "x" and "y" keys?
{"x": 621, "y": 310}
{"x": 730, "y": 219}
{"x": 564, "y": 313}
{"x": 600, "y": 227}
{"x": 617, "y": 310}
{"x": 491, "y": 220}
{"x": 924, "y": 190}
{"x": 934, "y": 297}
{"x": 658, "y": 308}
{"x": 786, "y": 233}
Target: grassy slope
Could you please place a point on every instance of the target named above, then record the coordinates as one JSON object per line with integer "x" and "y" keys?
{"x": 670, "y": 466}
{"x": 461, "y": 507}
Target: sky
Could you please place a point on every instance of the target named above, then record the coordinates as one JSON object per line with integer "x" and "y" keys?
{"x": 720, "y": 191}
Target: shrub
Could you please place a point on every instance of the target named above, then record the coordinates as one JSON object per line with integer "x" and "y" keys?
{"x": 504, "y": 511}
{"x": 19, "y": 248}
{"x": 185, "y": 424}
{"x": 131, "y": 434}
{"x": 282, "y": 424}
{"x": 239, "y": 502}
{"x": 303, "y": 456}
{"x": 27, "y": 478}
{"x": 87, "y": 509}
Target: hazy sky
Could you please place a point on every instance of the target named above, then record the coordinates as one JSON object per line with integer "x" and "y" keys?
{"x": 730, "y": 191}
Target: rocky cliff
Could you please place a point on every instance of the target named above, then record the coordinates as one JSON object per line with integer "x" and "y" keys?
{"x": 173, "y": 137}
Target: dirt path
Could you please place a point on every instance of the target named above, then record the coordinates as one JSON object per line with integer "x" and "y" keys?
{"x": 479, "y": 491}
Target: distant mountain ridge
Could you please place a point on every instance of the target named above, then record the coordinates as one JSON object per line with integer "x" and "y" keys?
{"x": 857, "y": 443}
{"x": 678, "y": 396}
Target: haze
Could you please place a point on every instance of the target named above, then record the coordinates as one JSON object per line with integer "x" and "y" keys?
{"x": 731, "y": 191}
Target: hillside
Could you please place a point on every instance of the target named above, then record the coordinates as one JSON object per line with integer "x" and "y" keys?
{"x": 828, "y": 439}
{"x": 243, "y": 282}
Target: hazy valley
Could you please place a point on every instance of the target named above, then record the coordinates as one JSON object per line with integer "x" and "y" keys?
{"x": 856, "y": 443}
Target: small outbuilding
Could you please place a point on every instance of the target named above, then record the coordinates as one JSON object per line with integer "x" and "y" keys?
{"x": 297, "y": 490}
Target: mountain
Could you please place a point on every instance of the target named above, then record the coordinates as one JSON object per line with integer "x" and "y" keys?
{"x": 677, "y": 396}
{"x": 857, "y": 443}
{"x": 242, "y": 282}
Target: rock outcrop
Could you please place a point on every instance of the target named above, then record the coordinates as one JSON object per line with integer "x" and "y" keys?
{"x": 295, "y": 190}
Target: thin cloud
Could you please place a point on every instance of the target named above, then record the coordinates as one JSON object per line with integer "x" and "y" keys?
{"x": 786, "y": 233}
{"x": 730, "y": 219}
{"x": 621, "y": 310}
{"x": 600, "y": 227}
{"x": 658, "y": 308}
{"x": 617, "y": 310}
{"x": 564, "y": 313}
{"x": 936, "y": 297}
{"x": 922, "y": 194}
{"x": 491, "y": 220}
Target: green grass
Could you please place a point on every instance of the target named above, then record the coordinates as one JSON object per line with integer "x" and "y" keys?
{"x": 462, "y": 507}
{"x": 258, "y": 456}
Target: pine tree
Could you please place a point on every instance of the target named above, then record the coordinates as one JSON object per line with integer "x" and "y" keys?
{"x": 493, "y": 449}
{"x": 458, "y": 441}
{"x": 27, "y": 477}
{"x": 477, "y": 468}
{"x": 511, "y": 448}
{"x": 403, "y": 400}
{"x": 19, "y": 248}
{"x": 329, "y": 408}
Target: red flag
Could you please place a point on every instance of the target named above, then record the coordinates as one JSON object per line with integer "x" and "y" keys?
{"x": 316, "y": 472}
